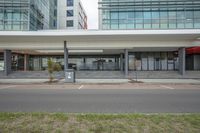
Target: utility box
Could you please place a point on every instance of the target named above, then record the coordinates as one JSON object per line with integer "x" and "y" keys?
{"x": 70, "y": 76}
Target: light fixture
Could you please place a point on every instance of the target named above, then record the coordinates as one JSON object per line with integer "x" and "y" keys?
{"x": 70, "y": 51}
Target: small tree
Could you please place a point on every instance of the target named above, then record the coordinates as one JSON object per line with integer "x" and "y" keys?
{"x": 53, "y": 67}
{"x": 136, "y": 65}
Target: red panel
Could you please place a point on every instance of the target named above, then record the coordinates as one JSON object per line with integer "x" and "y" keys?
{"x": 194, "y": 50}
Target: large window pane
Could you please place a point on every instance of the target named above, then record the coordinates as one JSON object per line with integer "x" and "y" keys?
{"x": 163, "y": 15}
{"x": 155, "y": 15}
{"x": 139, "y": 15}
{"x": 164, "y": 24}
{"x": 151, "y": 61}
{"x": 144, "y": 61}
{"x": 1, "y": 15}
{"x": 180, "y": 23}
{"x": 70, "y": 2}
{"x": 147, "y": 15}
{"x": 114, "y": 15}
{"x": 172, "y": 15}
{"x": 122, "y": 15}
{"x": 164, "y": 61}
{"x": 197, "y": 14}
{"x": 70, "y": 13}
{"x": 197, "y": 23}
{"x": 180, "y": 15}
{"x": 70, "y": 23}
{"x": 16, "y": 15}
{"x": 172, "y": 23}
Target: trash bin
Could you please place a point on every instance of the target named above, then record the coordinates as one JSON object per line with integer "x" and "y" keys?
{"x": 70, "y": 76}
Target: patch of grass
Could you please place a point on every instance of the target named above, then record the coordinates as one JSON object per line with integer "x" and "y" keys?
{"x": 99, "y": 123}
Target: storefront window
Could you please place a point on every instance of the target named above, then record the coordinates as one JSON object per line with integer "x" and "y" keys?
{"x": 1, "y": 62}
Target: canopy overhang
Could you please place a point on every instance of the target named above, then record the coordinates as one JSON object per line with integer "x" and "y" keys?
{"x": 98, "y": 39}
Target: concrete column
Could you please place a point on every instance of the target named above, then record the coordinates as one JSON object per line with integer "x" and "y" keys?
{"x": 7, "y": 62}
{"x": 26, "y": 58}
{"x": 181, "y": 54}
{"x": 121, "y": 62}
{"x": 66, "y": 56}
{"x": 126, "y": 62}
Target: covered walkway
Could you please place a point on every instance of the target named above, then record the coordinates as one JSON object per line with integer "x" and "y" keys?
{"x": 121, "y": 43}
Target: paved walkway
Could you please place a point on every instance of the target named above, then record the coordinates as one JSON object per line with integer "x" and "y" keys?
{"x": 102, "y": 81}
{"x": 106, "y": 75}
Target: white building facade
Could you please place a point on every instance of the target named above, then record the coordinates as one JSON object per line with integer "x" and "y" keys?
{"x": 71, "y": 15}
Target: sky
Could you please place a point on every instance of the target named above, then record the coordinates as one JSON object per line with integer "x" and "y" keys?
{"x": 91, "y": 8}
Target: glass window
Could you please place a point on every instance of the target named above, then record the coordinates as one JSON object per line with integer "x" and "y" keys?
{"x": 114, "y": 15}
{"x": 180, "y": 23}
{"x": 16, "y": 25}
{"x": 16, "y": 16}
{"x": 164, "y": 61}
{"x": 139, "y": 15}
{"x": 70, "y": 13}
{"x": 197, "y": 14}
{"x": 155, "y": 15}
{"x": 172, "y": 23}
{"x": 163, "y": 23}
{"x": 70, "y": 2}
{"x": 144, "y": 61}
{"x": 189, "y": 14}
{"x": 163, "y": 15}
{"x": 8, "y": 25}
{"x": 70, "y": 23}
{"x": 197, "y": 23}
{"x": 139, "y": 26}
{"x": 172, "y": 15}
{"x": 114, "y": 26}
{"x": 122, "y": 15}
{"x": 130, "y": 26}
{"x": 8, "y": 14}
{"x": 1, "y": 14}
{"x": 189, "y": 23}
{"x": 151, "y": 61}
{"x": 147, "y": 15}
{"x": 180, "y": 15}
{"x": 131, "y": 15}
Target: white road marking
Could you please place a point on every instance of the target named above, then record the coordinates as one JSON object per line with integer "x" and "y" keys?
{"x": 167, "y": 87}
{"x": 81, "y": 87}
{"x": 7, "y": 87}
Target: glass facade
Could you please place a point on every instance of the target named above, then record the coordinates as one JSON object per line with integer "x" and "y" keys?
{"x": 25, "y": 15}
{"x": 79, "y": 63}
{"x": 153, "y": 61}
{"x": 149, "y": 14}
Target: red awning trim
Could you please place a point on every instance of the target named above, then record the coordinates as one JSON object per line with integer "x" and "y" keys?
{"x": 194, "y": 50}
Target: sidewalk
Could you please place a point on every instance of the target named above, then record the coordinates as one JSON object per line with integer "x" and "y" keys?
{"x": 102, "y": 81}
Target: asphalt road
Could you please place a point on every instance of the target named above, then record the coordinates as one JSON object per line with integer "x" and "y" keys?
{"x": 100, "y": 100}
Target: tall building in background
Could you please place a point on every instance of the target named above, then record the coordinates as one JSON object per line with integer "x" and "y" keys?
{"x": 24, "y": 15}
{"x": 149, "y": 14}
{"x": 71, "y": 15}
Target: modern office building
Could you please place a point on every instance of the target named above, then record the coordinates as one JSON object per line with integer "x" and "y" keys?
{"x": 25, "y": 15}
{"x": 149, "y": 14}
{"x": 142, "y": 35}
{"x": 71, "y": 15}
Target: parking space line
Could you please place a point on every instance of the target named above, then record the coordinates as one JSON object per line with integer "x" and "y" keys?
{"x": 81, "y": 87}
{"x": 167, "y": 87}
{"x": 7, "y": 87}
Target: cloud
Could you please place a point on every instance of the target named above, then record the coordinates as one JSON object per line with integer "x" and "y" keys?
{"x": 91, "y": 8}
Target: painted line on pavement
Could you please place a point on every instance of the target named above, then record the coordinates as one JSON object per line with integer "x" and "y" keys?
{"x": 7, "y": 87}
{"x": 81, "y": 87}
{"x": 167, "y": 87}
